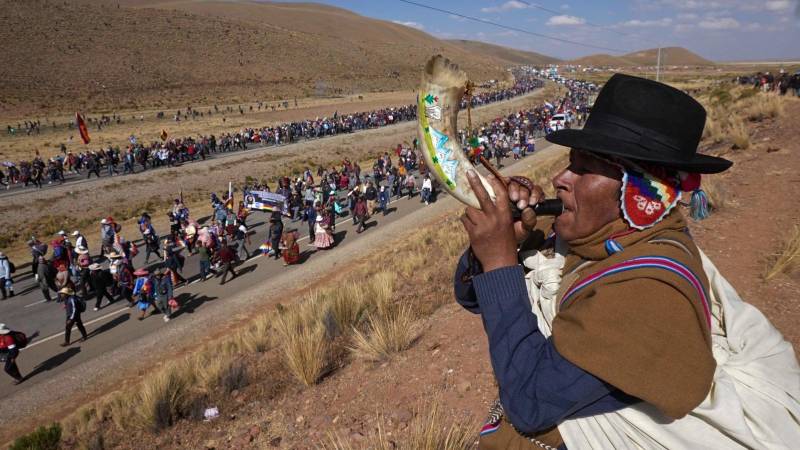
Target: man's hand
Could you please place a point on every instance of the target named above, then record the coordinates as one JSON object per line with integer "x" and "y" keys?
{"x": 491, "y": 228}
{"x": 525, "y": 197}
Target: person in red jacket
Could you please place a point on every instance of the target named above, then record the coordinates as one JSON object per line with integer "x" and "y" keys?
{"x": 9, "y": 353}
{"x": 226, "y": 260}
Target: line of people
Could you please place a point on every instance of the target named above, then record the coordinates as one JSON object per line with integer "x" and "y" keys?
{"x": 316, "y": 198}
{"x": 176, "y": 151}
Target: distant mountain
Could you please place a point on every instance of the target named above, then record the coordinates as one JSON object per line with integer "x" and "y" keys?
{"x": 110, "y": 55}
{"x": 601, "y": 60}
{"x": 507, "y": 55}
{"x": 670, "y": 56}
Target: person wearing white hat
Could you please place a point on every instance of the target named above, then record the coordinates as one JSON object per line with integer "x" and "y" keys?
{"x": 80, "y": 241}
{"x": 101, "y": 280}
{"x": 9, "y": 352}
{"x": 74, "y": 307}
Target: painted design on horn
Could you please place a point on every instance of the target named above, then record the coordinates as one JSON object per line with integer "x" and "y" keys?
{"x": 439, "y": 100}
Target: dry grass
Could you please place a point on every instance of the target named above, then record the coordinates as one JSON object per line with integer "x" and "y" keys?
{"x": 346, "y": 306}
{"x": 760, "y": 107}
{"x": 302, "y": 338}
{"x": 787, "y": 259}
{"x": 164, "y": 397}
{"x": 388, "y": 332}
{"x": 730, "y": 108}
{"x": 429, "y": 430}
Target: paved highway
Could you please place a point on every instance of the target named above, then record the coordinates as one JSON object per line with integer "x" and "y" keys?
{"x": 115, "y": 324}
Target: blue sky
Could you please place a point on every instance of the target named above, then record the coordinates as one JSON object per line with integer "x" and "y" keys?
{"x": 720, "y": 30}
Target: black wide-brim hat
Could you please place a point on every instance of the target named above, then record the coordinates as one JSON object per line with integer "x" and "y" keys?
{"x": 643, "y": 120}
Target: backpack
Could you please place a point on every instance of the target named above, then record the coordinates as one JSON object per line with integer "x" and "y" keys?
{"x": 11, "y": 267}
{"x": 80, "y": 304}
{"x": 20, "y": 339}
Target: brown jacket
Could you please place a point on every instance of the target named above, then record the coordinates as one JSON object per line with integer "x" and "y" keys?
{"x": 642, "y": 325}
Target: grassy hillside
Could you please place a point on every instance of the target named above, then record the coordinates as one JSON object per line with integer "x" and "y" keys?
{"x": 100, "y": 55}
{"x": 508, "y": 55}
{"x": 670, "y": 56}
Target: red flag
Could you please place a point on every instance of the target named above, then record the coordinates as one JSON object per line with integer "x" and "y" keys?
{"x": 82, "y": 128}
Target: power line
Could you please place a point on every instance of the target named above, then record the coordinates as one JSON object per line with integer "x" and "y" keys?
{"x": 519, "y": 30}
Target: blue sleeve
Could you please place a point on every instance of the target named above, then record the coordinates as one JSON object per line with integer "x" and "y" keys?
{"x": 539, "y": 388}
{"x": 465, "y": 292}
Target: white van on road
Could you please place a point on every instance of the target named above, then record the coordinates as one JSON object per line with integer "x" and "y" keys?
{"x": 559, "y": 122}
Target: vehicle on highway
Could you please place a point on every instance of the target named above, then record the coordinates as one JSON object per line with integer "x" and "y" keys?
{"x": 559, "y": 121}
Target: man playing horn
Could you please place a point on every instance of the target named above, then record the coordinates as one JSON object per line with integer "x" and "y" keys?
{"x": 608, "y": 327}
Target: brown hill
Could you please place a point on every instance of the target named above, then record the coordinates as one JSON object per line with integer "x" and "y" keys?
{"x": 101, "y": 55}
{"x": 670, "y": 56}
{"x": 601, "y": 60}
{"x": 508, "y": 55}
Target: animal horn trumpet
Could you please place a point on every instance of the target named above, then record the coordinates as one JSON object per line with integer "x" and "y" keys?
{"x": 438, "y": 103}
{"x": 443, "y": 86}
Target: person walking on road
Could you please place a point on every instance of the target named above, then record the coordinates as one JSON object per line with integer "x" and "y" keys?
{"x": 74, "y": 306}
{"x": 101, "y": 280}
{"x": 162, "y": 291}
{"x": 371, "y": 195}
{"x": 226, "y": 259}
{"x": 150, "y": 244}
{"x": 427, "y": 189}
{"x": 6, "y": 286}
{"x": 275, "y": 234}
{"x": 44, "y": 276}
{"x": 204, "y": 258}
{"x": 360, "y": 212}
{"x": 311, "y": 219}
{"x": 383, "y": 196}
{"x": 242, "y": 238}
{"x": 9, "y": 353}
{"x": 80, "y": 241}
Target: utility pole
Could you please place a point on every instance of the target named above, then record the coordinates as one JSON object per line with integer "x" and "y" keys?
{"x": 658, "y": 65}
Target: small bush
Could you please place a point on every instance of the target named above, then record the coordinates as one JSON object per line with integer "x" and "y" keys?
{"x": 41, "y": 439}
{"x": 740, "y": 137}
{"x": 164, "y": 398}
{"x": 787, "y": 259}
{"x": 347, "y": 306}
{"x": 389, "y": 332}
{"x": 429, "y": 430}
{"x": 301, "y": 335}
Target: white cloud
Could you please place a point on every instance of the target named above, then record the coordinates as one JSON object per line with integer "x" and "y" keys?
{"x": 565, "y": 6}
{"x": 778, "y": 5}
{"x": 636, "y": 23}
{"x": 416, "y": 25}
{"x": 457, "y": 18}
{"x": 507, "y": 6}
{"x": 687, "y": 16}
{"x": 755, "y": 26}
{"x": 722, "y": 23}
{"x": 565, "y": 20}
